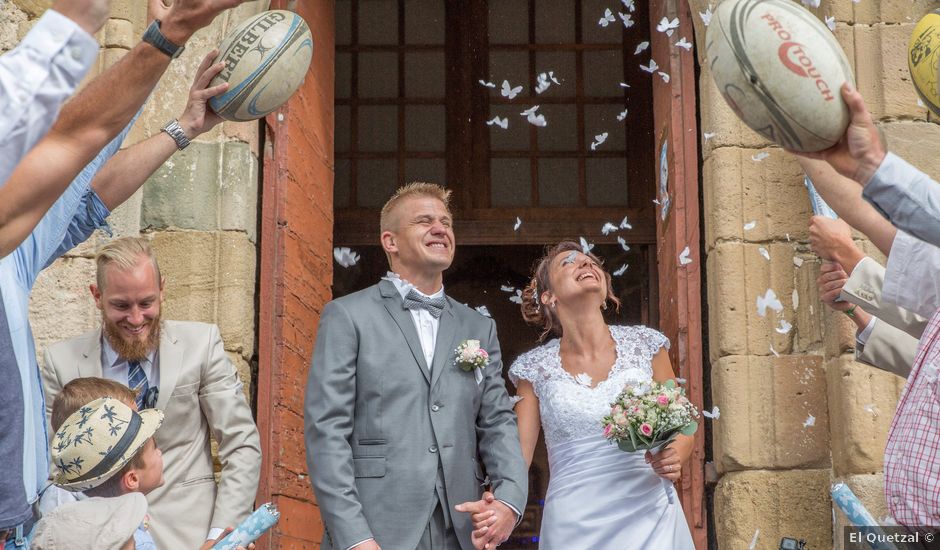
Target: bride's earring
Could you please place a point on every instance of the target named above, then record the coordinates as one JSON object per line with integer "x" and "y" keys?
{"x": 604, "y": 305}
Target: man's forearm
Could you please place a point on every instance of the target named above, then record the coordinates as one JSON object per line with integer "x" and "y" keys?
{"x": 129, "y": 169}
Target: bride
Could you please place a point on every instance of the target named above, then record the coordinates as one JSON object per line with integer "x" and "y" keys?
{"x": 598, "y": 496}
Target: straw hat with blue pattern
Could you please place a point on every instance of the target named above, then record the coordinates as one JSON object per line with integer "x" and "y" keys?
{"x": 99, "y": 439}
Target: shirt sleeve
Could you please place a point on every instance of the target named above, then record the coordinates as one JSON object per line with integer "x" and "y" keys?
{"x": 863, "y": 336}
{"x": 36, "y": 77}
{"x": 912, "y": 280}
{"x": 907, "y": 197}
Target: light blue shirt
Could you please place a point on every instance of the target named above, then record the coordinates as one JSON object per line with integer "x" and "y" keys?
{"x": 143, "y": 540}
{"x": 907, "y": 197}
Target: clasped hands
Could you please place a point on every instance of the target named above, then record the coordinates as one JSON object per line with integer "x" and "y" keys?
{"x": 493, "y": 521}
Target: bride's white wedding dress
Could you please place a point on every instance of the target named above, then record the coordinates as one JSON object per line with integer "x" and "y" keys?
{"x": 599, "y": 497}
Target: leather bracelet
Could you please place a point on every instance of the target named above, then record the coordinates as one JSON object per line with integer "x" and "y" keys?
{"x": 851, "y": 311}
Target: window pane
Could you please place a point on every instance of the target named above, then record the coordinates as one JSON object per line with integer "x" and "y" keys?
{"x": 378, "y": 74}
{"x": 561, "y": 134}
{"x": 563, "y": 65}
{"x": 343, "y": 22}
{"x": 378, "y": 22}
{"x": 341, "y": 184}
{"x": 555, "y": 24}
{"x": 591, "y": 32}
{"x": 513, "y": 138}
{"x": 511, "y": 181}
{"x": 378, "y": 128}
{"x": 511, "y": 66}
{"x": 603, "y": 73}
{"x": 603, "y": 118}
{"x": 341, "y": 128}
{"x": 424, "y": 22}
{"x": 429, "y": 170}
{"x": 425, "y": 128}
{"x": 424, "y": 74}
{"x": 509, "y": 22}
{"x": 343, "y": 75}
{"x": 558, "y": 182}
{"x": 377, "y": 181}
{"x": 606, "y": 182}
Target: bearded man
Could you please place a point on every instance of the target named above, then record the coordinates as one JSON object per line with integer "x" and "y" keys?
{"x": 181, "y": 368}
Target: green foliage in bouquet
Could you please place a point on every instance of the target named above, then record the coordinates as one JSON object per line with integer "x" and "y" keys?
{"x": 649, "y": 415}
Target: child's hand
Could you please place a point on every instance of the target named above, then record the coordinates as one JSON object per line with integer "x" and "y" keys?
{"x": 210, "y": 543}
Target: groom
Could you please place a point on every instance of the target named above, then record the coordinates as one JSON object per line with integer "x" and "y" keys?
{"x": 397, "y": 433}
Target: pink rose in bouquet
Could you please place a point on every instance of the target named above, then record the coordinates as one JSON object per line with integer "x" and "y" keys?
{"x": 647, "y": 416}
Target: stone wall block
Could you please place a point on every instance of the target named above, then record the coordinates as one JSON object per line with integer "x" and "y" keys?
{"x": 915, "y": 142}
{"x": 118, "y": 33}
{"x": 862, "y": 400}
{"x": 739, "y": 189}
{"x": 210, "y": 277}
{"x": 883, "y": 77}
{"x": 793, "y": 504}
{"x": 33, "y": 8}
{"x": 243, "y": 368}
{"x": 61, "y": 305}
{"x": 869, "y": 488}
{"x": 892, "y": 11}
{"x": 205, "y": 187}
{"x": 766, "y": 408}
{"x": 13, "y": 18}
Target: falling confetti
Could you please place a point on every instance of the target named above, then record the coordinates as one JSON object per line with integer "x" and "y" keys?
{"x": 753, "y": 544}
{"x": 585, "y": 246}
{"x": 501, "y": 122}
{"x": 684, "y": 256}
{"x": 641, "y": 47}
{"x": 513, "y": 399}
{"x": 811, "y": 3}
{"x": 768, "y": 300}
{"x": 629, "y": 4}
{"x": 713, "y": 414}
{"x": 545, "y": 80}
{"x": 784, "y": 327}
{"x": 708, "y": 135}
{"x": 706, "y": 15}
{"x": 569, "y": 259}
{"x": 627, "y": 19}
{"x": 533, "y": 118}
{"x": 508, "y": 91}
{"x": 797, "y": 261}
{"x": 345, "y": 257}
{"x": 773, "y": 351}
{"x": 831, "y": 23}
{"x": 796, "y": 299}
{"x": 607, "y": 19}
{"x": 810, "y": 421}
{"x": 685, "y": 44}
{"x": 516, "y": 298}
{"x": 609, "y": 228}
{"x": 871, "y": 408}
{"x": 483, "y": 311}
{"x": 507, "y": 288}
{"x": 651, "y": 68}
{"x": 487, "y": 84}
{"x": 920, "y": 103}
{"x": 750, "y": 225}
{"x": 667, "y": 26}
{"x": 518, "y": 224}
{"x": 623, "y": 244}
{"x": 760, "y": 156}
{"x": 624, "y": 224}
{"x": 680, "y": 381}
{"x": 584, "y": 379}
{"x": 620, "y": 270}
{"x": 622, "y": 115}
{"x": 763, "y": 252}
{"x": 624, "y": 85}
{"x": 665, "y": 76}
{"x": 598, "y": 140}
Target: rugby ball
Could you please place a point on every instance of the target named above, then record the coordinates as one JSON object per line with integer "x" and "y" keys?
{"x": 266, "y": 59}
{"x": 923, "y": 59}
{"x": 781, "y": 70}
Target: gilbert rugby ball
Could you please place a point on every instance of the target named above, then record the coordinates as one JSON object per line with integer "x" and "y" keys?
{"x": 266, "y": 59}
{"x": 781, "y": 70}
{"x": 923, "y": 59}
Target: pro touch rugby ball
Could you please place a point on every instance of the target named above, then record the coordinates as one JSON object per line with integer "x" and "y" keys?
{"x": 923, "y": 59}
{"x": 781, "y": 70}
{"x": 266, "y": 58}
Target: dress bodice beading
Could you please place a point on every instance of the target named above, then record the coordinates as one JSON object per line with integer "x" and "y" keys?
{"x": 572, "y": 406}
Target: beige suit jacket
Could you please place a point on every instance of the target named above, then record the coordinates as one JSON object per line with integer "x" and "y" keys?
{"x": 892, "y": 344}
{"x": 200, "y": 395}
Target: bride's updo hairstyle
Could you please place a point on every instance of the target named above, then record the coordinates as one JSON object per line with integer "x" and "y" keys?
{"x": 542, "y": 315}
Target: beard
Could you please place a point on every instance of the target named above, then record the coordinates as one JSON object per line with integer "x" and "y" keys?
{"x": 132, "y": 349}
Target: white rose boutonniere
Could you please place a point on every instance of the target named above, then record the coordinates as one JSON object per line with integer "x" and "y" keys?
{"x": 471, "y": 357}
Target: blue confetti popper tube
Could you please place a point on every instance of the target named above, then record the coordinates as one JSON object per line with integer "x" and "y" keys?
{"x": 250, "y": 530}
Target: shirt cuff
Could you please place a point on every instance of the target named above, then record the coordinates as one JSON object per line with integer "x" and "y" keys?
{"x": 513, "y": 508}
{"x": 358, "y": 543}
{"x": 214, "y": 533}
{"x": 57, "y": 37}
{"x": 863, "y": 336}
{"x": 896, "y": 272}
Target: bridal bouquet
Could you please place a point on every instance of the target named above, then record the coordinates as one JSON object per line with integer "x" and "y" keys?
{"x": 649, "y": 415}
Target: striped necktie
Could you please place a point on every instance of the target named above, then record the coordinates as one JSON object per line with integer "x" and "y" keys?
{"x": 137, "y": 381}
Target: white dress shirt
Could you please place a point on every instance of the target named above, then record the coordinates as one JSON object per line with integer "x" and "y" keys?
{"x": 425, "y": 323}
{"x": 36, "y": 77}
{"x": 912, "y": 279}
{"x": 114, "y": 367}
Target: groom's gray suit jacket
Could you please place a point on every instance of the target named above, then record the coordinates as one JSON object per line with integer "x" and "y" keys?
{"x": 385, "y": 434}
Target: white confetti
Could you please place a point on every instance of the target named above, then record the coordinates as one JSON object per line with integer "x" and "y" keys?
{"x": 784, "y": 327}
{"x": 513, "y": 399}
{"x": 856, "y": 1}
{"x": 518, "y": 224}
{"x": 609, "y": 228}
{"x": 773, "y": 351}
{"x": 545, "y": 80}
{"x": 811, "y": 3}
{"x": 624, "y": 85}
{"x": 487, "y": 84}
{"x": 607, "y": 19}
{"x": 871, "y": 408}
{"x": 665, "y": 76}
{"x": 624, "y": 224}
{"x": 787, "y": 235}
{"x": 623, "y": 243}
{"x": 585, "y": 246}
{"x": 768, "y": 300}
{"x": 501, "y": 122}
{"x": 797, "y": 261}
{"x": 598, "y": 140}
{"x": 706, "y": 15}
{"x": 831, "y": 23}
{"x": 620, "y": 270}
{"x": 683, "y": 43}
{"x": 760, "y": 156}
{"x": 517, "y": 298}
{"x": 796, "y": 299}
{"x": 708, "y": 135}
{"x": 483, "y": 311}
{"x": 508, "y": 91}
{"x": 667, "y": 26}
{"x": 641, "y": 47}
{"x": 627, "y": 19}
{"x": 622, "y": 115}
{"x": 713, "y": 414}
{"x": 345, "y": 257}
{"x": 569, "y": 259}
{"x": 920, "y": 103}
{"x": 684, "y": 258}
{"x": 507, "y": 288}
{"x": 750, "y": 225}
{"x": 763, "y": 252}
{"x": 629, "y": 4}
{"x": 810, "y": 421}
{"x": 584, "y": 379}
{"x": 533, "y": 118}
{"x": 651, "y": 68}
{"x": 753, "y": 544}
{"x": 680, "y": 381}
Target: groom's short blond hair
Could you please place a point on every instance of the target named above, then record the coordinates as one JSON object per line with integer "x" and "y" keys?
{"x": 413, "y": 189}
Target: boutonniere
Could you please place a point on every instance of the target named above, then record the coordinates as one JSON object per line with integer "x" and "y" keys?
{"x": 471, "y": 357}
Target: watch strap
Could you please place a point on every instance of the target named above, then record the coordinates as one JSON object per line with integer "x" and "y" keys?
{"x": 155, "y": 38}
{"x": 175, "y": 131}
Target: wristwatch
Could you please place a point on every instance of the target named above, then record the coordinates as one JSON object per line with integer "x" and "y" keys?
{"x": 155, "y": 38}
{"x": 175, "y": 131}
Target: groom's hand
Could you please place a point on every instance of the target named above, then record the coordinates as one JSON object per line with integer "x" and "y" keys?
{"x": 493, "y": 521}
{"x": 367, "y": 545}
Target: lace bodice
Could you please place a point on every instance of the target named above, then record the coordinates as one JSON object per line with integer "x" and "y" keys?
{"x": 570, "y": 408}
